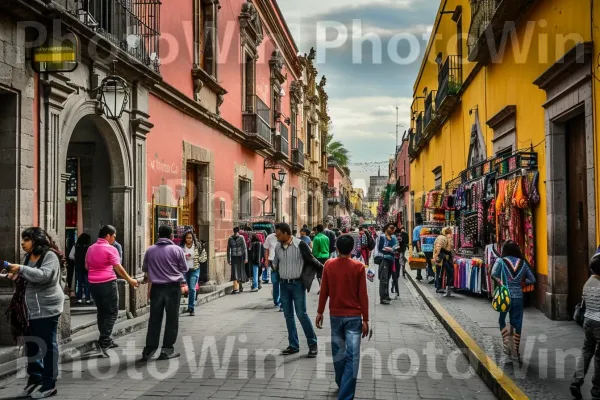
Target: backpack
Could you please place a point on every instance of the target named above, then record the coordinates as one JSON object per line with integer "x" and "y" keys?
{"x": 370, "y": 242}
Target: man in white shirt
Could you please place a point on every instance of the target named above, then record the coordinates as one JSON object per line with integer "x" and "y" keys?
{"x": 269, "y": 245}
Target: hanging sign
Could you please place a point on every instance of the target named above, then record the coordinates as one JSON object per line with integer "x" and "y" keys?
{"x": 57, "y": 55}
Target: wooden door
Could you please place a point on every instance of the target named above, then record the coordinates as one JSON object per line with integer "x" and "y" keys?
{"x": 577, "y": 217}
{"x": 191, "y": 195}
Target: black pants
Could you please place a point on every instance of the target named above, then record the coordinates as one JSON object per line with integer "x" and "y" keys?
{"x": 106, "y": 297}
{"x": 385, "y": 269}
{"x": 163, "y": 299}
{"x": 320, "y": 274}
{"x": 42, "y": 352}
{"x": 395, "y": 276}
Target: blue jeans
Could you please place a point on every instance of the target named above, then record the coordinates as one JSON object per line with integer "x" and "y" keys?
{"x": 293, "y": 297}
{"x": 83, "y": 286}
{"x": 192, "y": 279}
{"x": 255, "y": 276}
{"x": 42, "y": 352}
{"x": 516, "y": 315}
{"x": 346, "y": 334}
{"x": 276, "y": 288}
{"x": 265, "y": 274}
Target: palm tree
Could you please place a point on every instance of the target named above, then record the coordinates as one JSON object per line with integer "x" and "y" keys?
{"x": 337, "y": 153}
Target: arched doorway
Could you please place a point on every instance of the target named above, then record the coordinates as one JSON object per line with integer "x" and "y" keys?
{"x": 97, "y": 186}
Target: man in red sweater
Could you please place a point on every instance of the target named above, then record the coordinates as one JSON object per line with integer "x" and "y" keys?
{"x": 345, "y": 283}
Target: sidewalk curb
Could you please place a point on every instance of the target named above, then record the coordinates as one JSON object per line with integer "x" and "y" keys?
{"x": 493, "y": 376}
{"x": 85, "y": 343}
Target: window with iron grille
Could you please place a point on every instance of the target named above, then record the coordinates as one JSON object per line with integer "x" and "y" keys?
{"x": 438, "y": 177}
{"x": 245, "y": 197}
{"x": 133, "y": 26}
{"x": 309, "y": 138}
{"x": 293, "y": 127}
{"x": 205, "y": 35}
{"x": 249, "y": 84}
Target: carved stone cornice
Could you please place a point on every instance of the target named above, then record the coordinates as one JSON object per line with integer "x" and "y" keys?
{"x": 57, "y": 90}
{"x": 140, "y": 124}
{"x": 251, "y": 29}
{"x": 206, "y": 79}
{"x": 296, "y": 92}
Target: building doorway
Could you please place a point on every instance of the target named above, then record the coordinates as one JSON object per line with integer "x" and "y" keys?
{"x": 88, "y": 196}
{"x": 577, "y": 209}
{"x": 195, "y": 206}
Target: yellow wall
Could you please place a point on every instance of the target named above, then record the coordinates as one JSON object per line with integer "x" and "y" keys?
{"x": 505, "y": 81}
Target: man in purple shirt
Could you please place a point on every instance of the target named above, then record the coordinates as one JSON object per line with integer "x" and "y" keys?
{"x": 165, "y": 267}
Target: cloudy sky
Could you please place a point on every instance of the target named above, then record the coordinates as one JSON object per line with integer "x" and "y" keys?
{"x": 365, "y": 88}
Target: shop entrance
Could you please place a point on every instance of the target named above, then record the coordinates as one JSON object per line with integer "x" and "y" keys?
{"x": 577, "y": 209}
{"x": 88, "y": 197}
{"x": 196, "y": 206}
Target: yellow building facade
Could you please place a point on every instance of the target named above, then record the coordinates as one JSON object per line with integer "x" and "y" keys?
{"x": 490, "y": 85}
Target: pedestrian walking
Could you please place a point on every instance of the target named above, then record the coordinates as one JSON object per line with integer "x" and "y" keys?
{"x": 256, "y": 257}
{"x": 444, "y": 264}
{"x": 396, "y": 267}
{"x": 77, "y": 255}
{"x": 387, "y": 242}
{"x": 237, "y": 258}
{"x": 296, "y": 266}
{"x": 304, "y": 237}
{"x": 269, "y": 246}
{"x": 416, "y": 237}
{"x": 513, "y": 267}
{"x": 42, "y": 276}
{"x": 345, "y": 285}
{"x": 367, "y": 244}
{"x": 591, "y": 329}
{"x": 195, "y": 255}
{"x": 102, "y": 260}
{"x": 165, "y": 267}
{"x": 320, "y": 248}
{"x": 403, "y": 244}
{"x": 332, "y": 237}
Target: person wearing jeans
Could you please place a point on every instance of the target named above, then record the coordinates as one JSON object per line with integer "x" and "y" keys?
{"x": 344, "y": 283}
{"x": 416, "y": 241}
{"x": 39, "y": 285}
{"x": 194, "y": 256}
{"x": 165, "y": 267}
{"x": 512, "y": 270}
{"x": 255, "y": 260}
{"x": 77, "y": 255}
{"x": 269, "y": 245}
{"x": 102, "y": 260}
{"x": 591, "y": 330}
{"x": 387, "y": 242}
{"x": 289, "y": 261}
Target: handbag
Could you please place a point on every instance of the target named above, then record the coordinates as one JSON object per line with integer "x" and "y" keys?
{"x": 378, "y": 259}
{"x": 579, "y": 315}
{"x": 501, "y": 299}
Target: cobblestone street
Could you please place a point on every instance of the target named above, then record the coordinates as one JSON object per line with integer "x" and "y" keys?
{"x": 245, "y": 328}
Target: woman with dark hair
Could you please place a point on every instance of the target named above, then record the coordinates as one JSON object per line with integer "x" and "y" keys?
{"x": 42, "y": 284}
{"x": 591, "y": 330}
{"x": 386, "y": 243}
{"x": 512, "y": 270}
{"x": 78, "y": 253}
{"x": 255, "y": 256}
{"x": 194, "y": 256}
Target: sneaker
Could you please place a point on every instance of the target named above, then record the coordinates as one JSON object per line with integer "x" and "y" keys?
{"x": 192, "y": 313}
{"x": 79, "y": 302}
{"x": 265, "y": 282}
{"x": 448, "y": 292}
{"x": 289, "y": 351}
{"x": 419, "y": 278}
{"x": 235, "y": 292}
{"x": 280, "y": 309}
{"x": 113, "y": 345}
{"x": 42, "y": 394}
{"x": 384, "y": 302}
{"x": 576, "y": 391}
{"x": 313, "y": 350}
{"x": 146, "y": 356}
{"x": 30, "y": 388}
{"x": 254, "y": 290}
{"x": 168, "y": 356}
{"x": 431, "y": 281}
{"x": 89, "y": 302}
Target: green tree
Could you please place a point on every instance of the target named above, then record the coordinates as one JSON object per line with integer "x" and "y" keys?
{"x": 337, "y": 153}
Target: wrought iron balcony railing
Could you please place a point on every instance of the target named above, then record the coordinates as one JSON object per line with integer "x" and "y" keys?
{"x": 419, "y": 127}
{"x": 482, "y": 12}
{"x": 449, "y": 80}
{"x": 298, "y": 153}
{"x": 131, "y": 25}
{"x": 255, "y": 123}
{"x": 282, "y": 147}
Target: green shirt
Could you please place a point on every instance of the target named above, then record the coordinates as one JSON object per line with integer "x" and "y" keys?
{"x": 321, "y": 246}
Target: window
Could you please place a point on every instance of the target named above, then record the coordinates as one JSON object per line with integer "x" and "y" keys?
{"x": 438, "y": 177}
{"x": 248, "y": 84}
{"x": 205, "y": 36}
{"x": 294, "y": 209}
{"x": 504, "y": 152}
{"x": 245, "y": 197}
{"x": 293, "y": 127}
{"x": 276, "y": 107}
{"x": 275, "y": 201}
{"x": 309, "y": 138}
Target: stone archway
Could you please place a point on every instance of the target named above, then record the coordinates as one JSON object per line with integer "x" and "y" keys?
{"x": 118, "y": 147}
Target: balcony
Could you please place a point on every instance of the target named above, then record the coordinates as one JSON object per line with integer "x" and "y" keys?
{"x": 255, "y": 125}
{"x": 132, "y": 26}
{"x": 449, "y": 84}
{"x": 411, "y": 143}
{"x": 281, "y": 143}
{"x": 333, "y": 200}
{"x": 430, "y": 115}
{"x": 489, "y": 18}
{"x": 419, "y": 129}
{"x": 401, "y": 185}
{"x": 297, "y": 155}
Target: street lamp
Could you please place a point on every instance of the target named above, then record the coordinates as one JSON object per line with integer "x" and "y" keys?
{"x": 113, "y": 95}
{"x": 281, "y": 174}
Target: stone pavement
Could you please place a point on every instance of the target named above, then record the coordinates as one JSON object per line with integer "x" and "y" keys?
{"x": 549, "y": 348}
{"x": 230, "y": 351}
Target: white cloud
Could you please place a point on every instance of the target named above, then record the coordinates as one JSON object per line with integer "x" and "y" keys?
{"x": 299, "y": 9}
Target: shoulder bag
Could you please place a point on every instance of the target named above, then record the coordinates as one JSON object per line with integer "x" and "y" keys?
{"x": 501, "y": 299}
